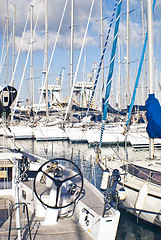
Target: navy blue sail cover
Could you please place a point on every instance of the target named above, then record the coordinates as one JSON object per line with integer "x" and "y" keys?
{"x": 153, "y": 116}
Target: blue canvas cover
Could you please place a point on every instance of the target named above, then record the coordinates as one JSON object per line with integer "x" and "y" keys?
{"x": 153, "y": 116}
{"x": 112, "y": 110}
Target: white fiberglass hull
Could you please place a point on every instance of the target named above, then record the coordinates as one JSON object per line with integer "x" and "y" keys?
{"x": 19, "y": 132}
{"x": 77, "y": 134}
{"x": 141, "y": 140}
{"x": 151, "y": 204}
{"x": 111, "y": 135}
{"x": 85, "y": 217}
{"x": 43, "y": 133}
{"x": 142, "y": 192}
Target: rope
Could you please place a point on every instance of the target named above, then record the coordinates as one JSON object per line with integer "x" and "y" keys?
{"x": 75, "y": 76}
{"x": 102, "y": 57}
{"x": 53, "y": 52}
{"x": 138, "y": 74}
{"x": 13, "y": 75}
{"x": 25, "y": 63}
{"x": 109, "y": 79}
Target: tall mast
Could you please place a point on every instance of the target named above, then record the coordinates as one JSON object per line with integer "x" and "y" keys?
{"x": 128, "y": 81}
{"x": 13, "y": 54}
{"x": 46, "y": 56}
{"x": 14, "y": 21}
{"x": 150, "y": 64}
{"x": 102, "y": 67}
{"x": 71, "y": 55}
{"x": 7, "y": 20}
{"x": 71, "y": 52}
{"x": 119, "y": 92}
{"x": 72, "y": 34}
{"x": 31, "y": 59}
{"x": 144, "y": 73}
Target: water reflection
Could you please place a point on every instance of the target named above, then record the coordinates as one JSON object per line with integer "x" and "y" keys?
{"x": 131, "y": 229}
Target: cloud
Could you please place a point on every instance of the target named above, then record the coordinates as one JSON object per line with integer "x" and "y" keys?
{"x": 81, "y": 12}
{"x": 55, "y": 10}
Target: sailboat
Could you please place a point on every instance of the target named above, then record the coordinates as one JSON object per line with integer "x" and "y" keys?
{"x": 139, "y": 181}
{"x": 91, "y": 133}
{"x": 41, "y": 198}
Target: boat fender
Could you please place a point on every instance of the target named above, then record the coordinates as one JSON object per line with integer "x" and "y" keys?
{"x": 143, "y": 192}
{"x": 105, "y": 178}
{"x": 122, "y": 194}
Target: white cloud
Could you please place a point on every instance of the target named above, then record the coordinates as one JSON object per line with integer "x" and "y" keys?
{"x": 81, "y": 12}
{"x": 55, "y": 9}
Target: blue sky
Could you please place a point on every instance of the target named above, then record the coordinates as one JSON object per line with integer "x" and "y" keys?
{"x": 61, "y": 56}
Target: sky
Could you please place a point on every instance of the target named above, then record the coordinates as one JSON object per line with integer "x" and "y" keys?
{"x": 61, "y": 57}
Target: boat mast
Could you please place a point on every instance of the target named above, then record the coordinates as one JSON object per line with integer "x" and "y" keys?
{"x": 150, "y": 64}
{"x": 7, "y": 40}
{"x": 128, "y": 83}
{"x": 13, "y": 54}
{"x": 102, "y": 66}
{"x": 31, "y": 60}
{"x": 13, "y": 59}
{"x": 144, "y": 73}
{"x": 119, "y": 92}
{"x": 46, "y": 56}
{"x": 71, "y": 52}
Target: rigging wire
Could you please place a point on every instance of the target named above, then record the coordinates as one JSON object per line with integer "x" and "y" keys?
{"x": 25, "y": 62}
{"x": 109, "y": 79}
{"x": 138, "y": 74}
{"x": 53, "y": 52}
{"x": 13, "y": 75}
{"x": 2, "y": 50}
{"x": 75, "y": 76}
{"x": 6, "y": 52}
{"x": 102, "y": 57}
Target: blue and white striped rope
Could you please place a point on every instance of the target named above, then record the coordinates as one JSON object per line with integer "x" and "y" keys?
{"x": 111, "y": 68}
{"x": 102, "y": 57}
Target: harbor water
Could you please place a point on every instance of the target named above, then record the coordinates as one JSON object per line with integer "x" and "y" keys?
{"x": 130, "y": 228}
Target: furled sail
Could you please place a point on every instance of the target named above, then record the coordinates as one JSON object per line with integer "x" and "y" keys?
{"x": 109, "y": 79}
{"x": 153, "y": 116}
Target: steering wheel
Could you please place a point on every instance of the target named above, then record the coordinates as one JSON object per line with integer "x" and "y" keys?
{"x": 57, "y": 175}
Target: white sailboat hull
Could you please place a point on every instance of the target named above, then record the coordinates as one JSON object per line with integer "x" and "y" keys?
{"x": 111, "y": 135}
{"x": 43, "y": 133}
{"x": 19, "y": 132}
{"x": 77, "y": 134}
{"x": 141, "y": 140}
{"x": 151, "y": 204}
{"x": 141, "y": 193}
{"x": 83, "y": 218}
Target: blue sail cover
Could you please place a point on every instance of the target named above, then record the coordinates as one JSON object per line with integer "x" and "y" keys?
{"x": 153, "y": 116}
